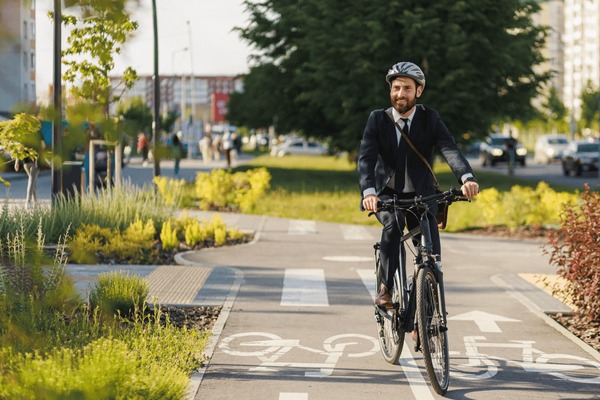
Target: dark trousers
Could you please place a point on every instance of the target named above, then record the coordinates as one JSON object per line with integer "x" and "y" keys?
{"x": 393, "y": 226}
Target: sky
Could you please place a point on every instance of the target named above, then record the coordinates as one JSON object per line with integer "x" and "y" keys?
{"x": 215, "y": 48}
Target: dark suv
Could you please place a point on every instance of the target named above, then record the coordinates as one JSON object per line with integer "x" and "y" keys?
{"x": 495, "y": 149}
{"x": 580, "y": 156}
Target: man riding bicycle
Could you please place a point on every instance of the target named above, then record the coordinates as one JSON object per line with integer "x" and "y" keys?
{"x": 390, "y": 165}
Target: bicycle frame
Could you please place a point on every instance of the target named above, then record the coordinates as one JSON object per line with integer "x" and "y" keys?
{"x": 425, "y": 257}
{"x": 419, "y": 305}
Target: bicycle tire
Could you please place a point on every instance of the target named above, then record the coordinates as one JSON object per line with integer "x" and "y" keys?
{"x": 390, "y": 338}
{"x": 433, "y": 336}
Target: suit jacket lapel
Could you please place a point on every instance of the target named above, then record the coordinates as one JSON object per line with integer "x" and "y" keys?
{"x": 416, "y": 123}
{"x": 391, "y": 131}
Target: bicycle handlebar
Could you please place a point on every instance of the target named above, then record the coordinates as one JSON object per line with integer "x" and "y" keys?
{"x": 449, "y": 197}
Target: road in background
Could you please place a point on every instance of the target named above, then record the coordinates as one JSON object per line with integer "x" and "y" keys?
{"x": 134, "y": 172}
{"x": 550, "y": 173}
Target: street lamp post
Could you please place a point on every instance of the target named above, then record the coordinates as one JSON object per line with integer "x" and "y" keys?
{"x": 156, "y": 121}
{"x": 183, "y": 95}
{"x": 57, "y": 101}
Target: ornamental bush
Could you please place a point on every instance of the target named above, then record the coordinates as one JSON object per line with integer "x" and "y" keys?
{"x": 119, "y": 292}
{"x": 523, "y": 206}
{"x": 575, "y": 250}
{"x": 222, "y": 190}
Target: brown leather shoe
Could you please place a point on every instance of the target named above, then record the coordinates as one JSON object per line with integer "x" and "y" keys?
{"x": 384, "y": 299}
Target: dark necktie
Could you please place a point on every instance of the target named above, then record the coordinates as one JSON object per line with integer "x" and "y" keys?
{"x": 401, "y": 161}
{"x": 405, "y": 127}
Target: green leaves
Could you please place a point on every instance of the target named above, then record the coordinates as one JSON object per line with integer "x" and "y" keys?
{"x": 320, "y": 66}
{"x": 92, "y": 43}
{"x": 21, "y": 136}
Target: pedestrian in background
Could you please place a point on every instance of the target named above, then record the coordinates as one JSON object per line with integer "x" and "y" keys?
{"x": 177, "y": 151}
{"x": 228, "y": 147}
{"x": 32, "y": 168}
{"x": 143, "y": 147}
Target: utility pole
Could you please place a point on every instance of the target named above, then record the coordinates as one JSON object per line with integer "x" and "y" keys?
{"x": 57, "y": 102}
{"x": 156, "y": 121}
{"x": 192, "y": 78}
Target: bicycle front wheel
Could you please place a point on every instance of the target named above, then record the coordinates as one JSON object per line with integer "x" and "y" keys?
{"x": 391, "y": 338}
{"x": 432, "y": 330}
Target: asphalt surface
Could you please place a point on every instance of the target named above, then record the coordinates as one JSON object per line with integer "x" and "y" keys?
{"x": 297, "y": 318}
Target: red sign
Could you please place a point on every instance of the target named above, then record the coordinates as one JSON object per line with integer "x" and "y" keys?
{"x": 219, "y": 106}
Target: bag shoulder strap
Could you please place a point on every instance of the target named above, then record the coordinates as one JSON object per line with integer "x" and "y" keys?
{"x": 412, "y": 146}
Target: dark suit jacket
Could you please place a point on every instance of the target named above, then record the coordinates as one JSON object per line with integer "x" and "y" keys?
{"x": 378, "y": 151}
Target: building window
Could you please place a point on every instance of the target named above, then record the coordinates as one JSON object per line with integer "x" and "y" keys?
{"x": 25, "y": 92}
{"x": 24, "y": 29}
{"x": 32, "y": 5}
{"x": 25, "y": 60}
{"x": 32, "y": 25}
{"x": 32, "y": 61}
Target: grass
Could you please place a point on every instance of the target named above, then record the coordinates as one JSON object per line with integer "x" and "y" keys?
{"x": 52, "y": 345}
{"x": 326, "y": 189}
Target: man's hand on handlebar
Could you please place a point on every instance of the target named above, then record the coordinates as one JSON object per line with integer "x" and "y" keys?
{"x": 470, "y": 189}
{"x": 370, "y": 202}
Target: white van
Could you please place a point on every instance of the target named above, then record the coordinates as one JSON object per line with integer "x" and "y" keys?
{"x": 550, "y": 148}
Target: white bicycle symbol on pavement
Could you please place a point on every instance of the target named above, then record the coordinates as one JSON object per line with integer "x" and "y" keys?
{"x": 270, "y": 348}
{"x": 563, "y": 366}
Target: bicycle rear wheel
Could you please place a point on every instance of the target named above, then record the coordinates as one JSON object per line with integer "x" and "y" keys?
{"x": 391, "y": 338}
{"x": 432, "y": 330}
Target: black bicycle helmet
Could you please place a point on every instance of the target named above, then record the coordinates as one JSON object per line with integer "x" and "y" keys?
{"x": 408, "y": 69}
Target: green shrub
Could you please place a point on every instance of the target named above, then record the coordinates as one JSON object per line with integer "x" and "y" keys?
{"x": 88, "y": 241}
{"x": 134, "y": 245}
{"x": 105, "y": 369}
{"x": 171, "y": 191}
{"x": 119, "y": 292}
{"x": 114, "y": 208}
{"x": 522, "y": 206}
{"x": 168, "y": 236}
{"x": 575, "y": 250}
{"x": 222, "y": 189}
{"x": 195, "y": 233}
{"x": 33, "y": 287}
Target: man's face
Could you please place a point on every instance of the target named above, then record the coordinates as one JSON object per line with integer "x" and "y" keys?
{"x": 404, "y": 93}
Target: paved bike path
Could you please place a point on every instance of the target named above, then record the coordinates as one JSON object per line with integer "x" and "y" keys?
{"x": 503, "y": 346}
{"x": 300, "y": 323}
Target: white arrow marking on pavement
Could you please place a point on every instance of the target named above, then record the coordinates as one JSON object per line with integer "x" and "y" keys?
{"x": 486, "y": 322}
{"x": 304, "y": 287}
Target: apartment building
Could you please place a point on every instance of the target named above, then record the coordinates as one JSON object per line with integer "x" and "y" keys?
{"x": 17, "y": 54}
{"x": 552, "y": 16}
{"x": 194, "y": 97}
{"x": 581, "y": 44}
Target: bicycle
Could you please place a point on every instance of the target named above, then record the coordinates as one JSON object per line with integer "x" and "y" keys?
{"x": 419, "y": 303}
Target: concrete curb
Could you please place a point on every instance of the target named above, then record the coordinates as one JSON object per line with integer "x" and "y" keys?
{"x": 501, "y": 281}
{"x": 198, "y": 376}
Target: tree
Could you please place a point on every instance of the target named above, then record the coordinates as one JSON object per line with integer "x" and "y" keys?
{"x": 590, "y": 105}
{"x": 327, "y": 61}
{"x": 20, "y": 137}
{"x": 97, "y": 35}
{"x": 135, "y": 115}
{"x": 556, "y": 110}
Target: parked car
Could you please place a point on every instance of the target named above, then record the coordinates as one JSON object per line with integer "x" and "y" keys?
{"x": 299, "y": 147}
{"x": 495, "y": 149}
{"x": 550, "y": 148}
{"x": 580, "y": 156}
